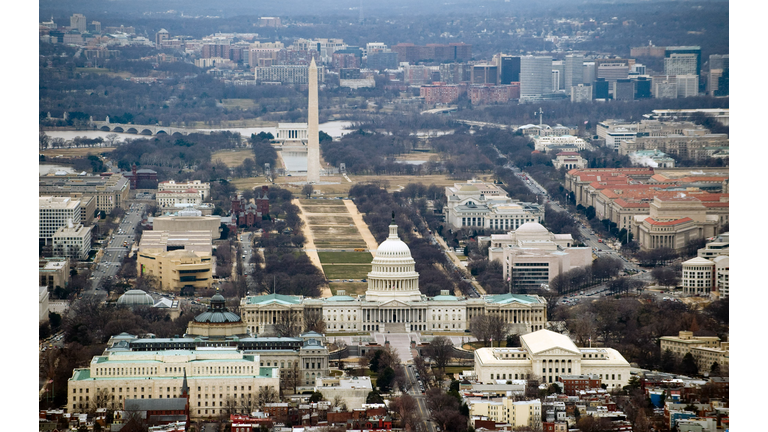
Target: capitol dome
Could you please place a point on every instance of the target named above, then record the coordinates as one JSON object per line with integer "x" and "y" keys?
{"x": 393, "y": 271}
{"x": 531, "y": 228}
{"x": 135, "y": 298}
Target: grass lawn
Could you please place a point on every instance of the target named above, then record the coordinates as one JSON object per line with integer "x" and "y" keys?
{"x": 345, "y": 257}
{"x": 323, "y": 202}
{"x": 308, "y": 210}
{"x": 238, "y": 103}
{"x": 351, "y": 288}
{"x": 346, "y": 271}
{"x": 462, "y": 257}
{"x": 330, "y": 220}
{"x": 336, "y": 233}
{"x": 456, "y": 369}
{"x": 232, "y": 158}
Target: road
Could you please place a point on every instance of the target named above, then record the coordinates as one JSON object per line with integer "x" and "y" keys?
{"x": 415, "y": 391}
{"x": 246, "y": 241}
{"x": 118, "y": 245}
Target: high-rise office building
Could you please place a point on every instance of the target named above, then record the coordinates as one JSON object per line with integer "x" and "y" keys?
{"x": 687, "y": 85}
{"x": 681, "y": 64}
{"x": 589, "y": 72}
{"x": 535, "y": 76}
{"x": 77, "y": 22}
{"x": 574, "y": 71}
{"x": 695, "y": 50}
{"x": 601, "y": 89}
{"x": 624, "y": 90}
{"x": 642, "y": 88}
{"x": 96, "y": 26}
{"x": 558, "y": 75}
{"x": 509, "y": 69}
{"x": 718, "y": 73}
{"x": 161, "y": 36}
{"x": 581, "y": 93}
{"x": 485, "y": 74}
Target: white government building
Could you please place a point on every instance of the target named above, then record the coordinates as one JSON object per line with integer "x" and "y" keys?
{"x": 484, "y": 205}
{"x": 393, "y": 303}
{"x": 548, "y": 355}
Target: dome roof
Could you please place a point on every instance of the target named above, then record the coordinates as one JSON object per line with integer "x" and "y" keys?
{"x": 531, "y": 228}
{"x": 217, "y": 312}
{"x": 135, "y": 298}
{"x": 217, "y": 317}
{"x": 393, "y": 248}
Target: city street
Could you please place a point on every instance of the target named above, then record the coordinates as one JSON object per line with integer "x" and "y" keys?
{"x": 118, "y": 245}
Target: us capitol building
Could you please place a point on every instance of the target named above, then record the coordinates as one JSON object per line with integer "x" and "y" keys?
{"x": 393, "y": 303}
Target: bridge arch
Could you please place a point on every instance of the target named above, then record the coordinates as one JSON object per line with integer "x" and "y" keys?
{"x": 177, "y": 134}
{"x": 132, "y": 131}
{"x": 146, "y": 132}
{"x": 118, "y": 129}
{"x": 161, "y": 132}
{"x": 105, "y": 128}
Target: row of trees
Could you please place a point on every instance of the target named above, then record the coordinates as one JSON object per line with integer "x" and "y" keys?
{"x": 634, "y": 327}
{"x": 377, "y": 205}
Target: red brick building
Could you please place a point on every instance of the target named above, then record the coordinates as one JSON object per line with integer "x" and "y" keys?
{"x": 246, "y": 214}
{"x": 574, "y": 383}
{"x": 440, "y": 92}
{"x": 490, "y": 94}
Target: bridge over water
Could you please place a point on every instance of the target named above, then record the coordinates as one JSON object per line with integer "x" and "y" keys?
{"x": 148, "y": 130}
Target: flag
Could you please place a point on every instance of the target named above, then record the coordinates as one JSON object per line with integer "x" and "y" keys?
{"x": 586, "y": 121}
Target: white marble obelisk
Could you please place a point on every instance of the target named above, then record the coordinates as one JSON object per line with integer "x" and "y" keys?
{"x": 313, "y": 145}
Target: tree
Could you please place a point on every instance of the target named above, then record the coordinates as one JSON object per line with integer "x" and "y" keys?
{"x": 668, "y": 361}
{"x": 689, "y": 366}
{"x": 665, "y": 276}
{"x": 316, "y": 397}
{"x": 307, "y": 190}
{"x": 439, "y": 351}
{"x": 590, "y": 213}
{"x": 45, "y": 140}
{"x": 374, "y": 397}
{"x": 289, "y": 325}
{"x": 385, "y": 380}
{"x": 313, "y": 320}
{"x": 265, "y": 395}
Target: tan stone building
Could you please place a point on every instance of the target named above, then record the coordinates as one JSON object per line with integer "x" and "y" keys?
{"x": 177, "y": 269}
{"x": 569, "y": 161}
{"x": 508, "y": 410}
{"x": 110, "y": 191}
{"x": 532, "y": 256}
{"x": 72, "y": 241}
{"x": 188, "y": 220}
{"x": 189, "y": 198}
{"x": 178, "y": 259}
{"x": 203, "y": 189}
{"x": 673, "y": 222}
{"x": 704, "y": 349}
{"x": 547, "y": 356}
{"x": 54, "y": 272}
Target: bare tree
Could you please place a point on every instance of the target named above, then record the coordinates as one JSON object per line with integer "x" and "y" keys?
{"x": 307, "y": 190}
{"x": 265, "y": 395}
{"x": 406, "y": 408}
{"x": 313, "y": 321}
{"x": 289, "y": 325}
{"x": 478, "y": 326}
{"x": 440, "y": 350}
{"x": 497, "y": 328}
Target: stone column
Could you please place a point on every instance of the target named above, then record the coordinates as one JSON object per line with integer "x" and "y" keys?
{"x": 313, "y": 143}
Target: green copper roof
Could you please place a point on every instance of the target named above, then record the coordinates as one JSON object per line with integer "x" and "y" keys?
{"x": 510, "y": 298}
{"x": 274, "y": 298}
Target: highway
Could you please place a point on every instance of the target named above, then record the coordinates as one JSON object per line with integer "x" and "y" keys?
{"x": 114, "y": 251}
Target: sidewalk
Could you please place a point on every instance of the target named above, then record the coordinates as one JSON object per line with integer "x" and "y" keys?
{"x": 362, "y": 227}
{"x": 310, "y": 249}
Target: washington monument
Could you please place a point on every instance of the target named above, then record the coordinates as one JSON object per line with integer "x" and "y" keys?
{"x": 313, "y": 146}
